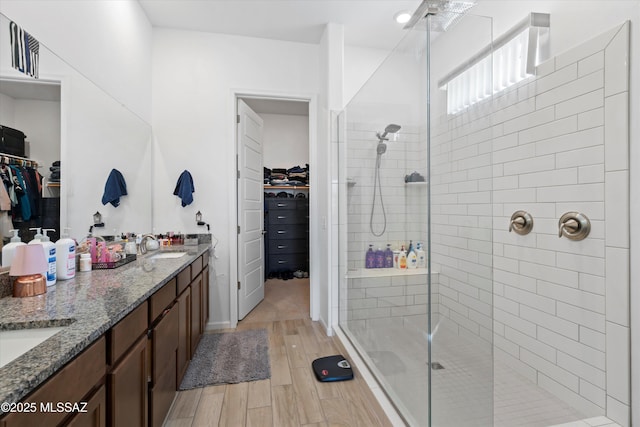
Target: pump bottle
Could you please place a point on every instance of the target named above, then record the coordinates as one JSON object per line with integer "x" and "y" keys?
{"x": 9, "y": 250}
{"x": 65, "y": 257}
{"x": 49, "y": 254}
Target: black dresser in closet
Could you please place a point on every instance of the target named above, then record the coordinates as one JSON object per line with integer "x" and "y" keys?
{"x": 287, "y": 237}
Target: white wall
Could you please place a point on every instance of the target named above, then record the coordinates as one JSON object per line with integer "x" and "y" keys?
{"x": 194, "y": 126}
{"x": 359, "y": 64}
{"x": 285, "y": 140}
{"x": 40, "y": 121}
{"x": 109, "y": 41}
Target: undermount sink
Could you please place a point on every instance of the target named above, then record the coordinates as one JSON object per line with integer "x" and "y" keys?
{"x": 14, "y": 343}
{"x": 170, "y": 255}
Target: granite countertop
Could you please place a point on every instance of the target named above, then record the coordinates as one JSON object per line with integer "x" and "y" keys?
{"x": 87, "y": 306}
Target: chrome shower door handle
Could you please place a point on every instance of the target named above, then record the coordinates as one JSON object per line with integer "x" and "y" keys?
{"x": 521, "y": 223}
{"x": 574, "y": 226}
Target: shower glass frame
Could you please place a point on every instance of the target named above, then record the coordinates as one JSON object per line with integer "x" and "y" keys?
{"x": 403, "y": 322}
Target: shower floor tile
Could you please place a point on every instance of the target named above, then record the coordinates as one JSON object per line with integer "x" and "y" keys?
{"x": 470, "y": 382}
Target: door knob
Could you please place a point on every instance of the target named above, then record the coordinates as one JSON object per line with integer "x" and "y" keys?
{"x": 574, "y": 226}
{"x": 521, "y": 222}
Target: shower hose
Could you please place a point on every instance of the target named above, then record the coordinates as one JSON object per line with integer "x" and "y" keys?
{"x": 377, "y": 186}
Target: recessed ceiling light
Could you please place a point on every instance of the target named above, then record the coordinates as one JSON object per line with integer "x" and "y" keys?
{"x": 402, "y": 17}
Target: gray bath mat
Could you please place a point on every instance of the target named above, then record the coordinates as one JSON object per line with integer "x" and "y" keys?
{"x": 229, "y": 358}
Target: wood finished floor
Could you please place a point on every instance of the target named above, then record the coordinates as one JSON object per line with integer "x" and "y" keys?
{"x": 292, "y": 396}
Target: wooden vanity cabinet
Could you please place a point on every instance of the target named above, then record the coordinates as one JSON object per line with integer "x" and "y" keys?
{"x": 204, "y": 312}
{"x": 76, "y": 382}
{"x": 96, "y": 411}
{"x": 196, "y": 308}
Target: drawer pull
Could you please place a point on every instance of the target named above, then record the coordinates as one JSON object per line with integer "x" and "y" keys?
{"x": 281, "y": 217}
{"x": 282, "y": 231}
{"x": 281, "y": 205}
{"x": 281, "y": 261}
{"x": 282, "y": 246}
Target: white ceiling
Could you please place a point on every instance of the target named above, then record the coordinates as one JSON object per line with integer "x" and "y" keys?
{"x": 367, "y": 23}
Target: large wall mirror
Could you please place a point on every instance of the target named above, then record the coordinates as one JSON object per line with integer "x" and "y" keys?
{"x": 68, "y": 118}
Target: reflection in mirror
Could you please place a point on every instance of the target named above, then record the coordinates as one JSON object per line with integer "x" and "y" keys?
{"x": 68, "y": 118}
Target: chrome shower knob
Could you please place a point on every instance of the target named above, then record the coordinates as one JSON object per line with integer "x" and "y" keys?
{"x": 574, "y": 226}
{"x": 521, "y": 223}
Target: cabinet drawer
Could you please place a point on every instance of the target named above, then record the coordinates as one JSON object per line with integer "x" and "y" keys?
{"x": 288, "y": 262}
{"x": 126, "y": 332}
{"x": 278, "y": 217}
{"x": 296, "y": 231}
{"x": 184, "y": 278}
{"x": 281, "y": 203}
{"x": 162, "y": 299}
{"x": 287, "y": 246}
{"x": 196, "y": 267}
{"x": 70, "y": 384}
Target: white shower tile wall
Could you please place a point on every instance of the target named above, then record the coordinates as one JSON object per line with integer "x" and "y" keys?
{"x": 553, "y": 144}
{"x": 403, "y": 299}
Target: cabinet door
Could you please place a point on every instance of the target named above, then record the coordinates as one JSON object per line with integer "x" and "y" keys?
{"x": 164, "y": 360}
{"x": 196, "y": 309}
{"x": 96, "y": 411}
{"x": 184, "y": 333}
{"x": 204, "y": 311}
{"x": 127, "y": 385}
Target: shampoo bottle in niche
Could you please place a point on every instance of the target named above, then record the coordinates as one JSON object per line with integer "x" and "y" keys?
{"x": 49, "y": 255}
{"x": 388, "y": 257}
{"x": 379, "y": 258}
{"x": 412, "y": 259}
{"x": 422, "y": 257}
{"x": 65, "y": 257}
{"x": 9, "y": 250}
{"x": 370, "y": 258}
{"x": 402, "y": 259}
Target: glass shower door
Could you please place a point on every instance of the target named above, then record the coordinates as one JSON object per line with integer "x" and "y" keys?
{"x": 410, "y": 184}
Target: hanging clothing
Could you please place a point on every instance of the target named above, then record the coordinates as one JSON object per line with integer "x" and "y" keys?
{"x": 22, "y": 195}
{"x": 5, "y": 201}
{"x": 114, "y": 188}
{"x": 184, "y": 188}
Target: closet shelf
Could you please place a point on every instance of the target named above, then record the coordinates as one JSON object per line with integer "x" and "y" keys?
{"x": 286, "y": 187}
{"x": 53, "y": 184}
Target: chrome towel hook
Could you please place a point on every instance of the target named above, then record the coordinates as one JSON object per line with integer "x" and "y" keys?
{"x": 521, "y": 222}
{"x": 574, "y": 226}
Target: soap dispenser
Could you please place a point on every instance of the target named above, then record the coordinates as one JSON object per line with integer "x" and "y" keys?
{"x": 49, "y": 254}
{"x": 9, "y": 250}
{"x": 65, "y": 257}
{"x": 37, "y": 238}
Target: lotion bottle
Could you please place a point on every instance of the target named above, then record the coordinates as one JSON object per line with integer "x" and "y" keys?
{"x": 388, "y": 257}
{"x": 379, "y": 258}
{"x": 412, "y": 259}
{"x": 9, "y": 250}
{"x": 49, "y": 255}
{"x": 65, "y": 257}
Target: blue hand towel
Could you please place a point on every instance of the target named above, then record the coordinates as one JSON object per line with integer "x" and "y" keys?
{"x": 114, "y": 188}
{"x": 184, "y": 188}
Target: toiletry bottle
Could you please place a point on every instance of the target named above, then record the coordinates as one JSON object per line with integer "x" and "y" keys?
{"x": 9, "y": 250}
{"x": 388, "y": 257}
{"x": 38, "y": 236}
{"x": 65, "y": 257}
{"x": 396, "y": 258}
{"x": 379, "y": 258}
{"x": 422, "y": 257}
{"x": 410, "y": 248}
{"x": 370, "y": 258}
{"x": 412, "y": 258}
{"x": 49, "y": 255}
{"x": 402, "y": 259}
{"x": 85, "y": 262}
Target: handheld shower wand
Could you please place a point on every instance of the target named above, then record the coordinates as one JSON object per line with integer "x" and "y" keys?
{"x": 377, "y": 185}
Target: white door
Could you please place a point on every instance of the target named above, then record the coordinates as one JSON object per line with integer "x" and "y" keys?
{"x": 250, "y": 211}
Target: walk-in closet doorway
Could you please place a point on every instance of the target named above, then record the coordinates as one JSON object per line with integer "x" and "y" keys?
{"x": 274, "y": 198}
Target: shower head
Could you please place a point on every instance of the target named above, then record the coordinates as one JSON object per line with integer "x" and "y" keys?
{"x": 389, "y": 129}
{"x": 444, "y": 12}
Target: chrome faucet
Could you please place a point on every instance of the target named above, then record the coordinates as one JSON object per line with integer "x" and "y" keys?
{"x": 143, "y": 242}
